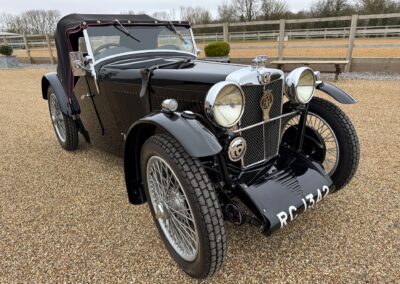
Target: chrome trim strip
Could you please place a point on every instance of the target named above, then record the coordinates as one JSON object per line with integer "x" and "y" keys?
{"x": 222, "y": 63}
{"x": 264, "y": 122}
{"x": 88, "y": 45}
{"x": 91, "y": 59}
{"x": 282, "y": 99}
{"x": 251, "y": 75}
{"x": 145, "y": 51}
{"x": 195, "y": 48}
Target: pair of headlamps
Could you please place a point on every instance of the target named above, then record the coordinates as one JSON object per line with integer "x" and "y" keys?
{"x": 225, "y": 101}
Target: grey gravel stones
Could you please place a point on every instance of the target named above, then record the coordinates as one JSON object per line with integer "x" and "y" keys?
{"x": 65, "y": 217}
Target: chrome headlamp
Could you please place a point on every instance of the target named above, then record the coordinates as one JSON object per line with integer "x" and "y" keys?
{"x": 224, "y": 104}
{"x": 300, "y": 85}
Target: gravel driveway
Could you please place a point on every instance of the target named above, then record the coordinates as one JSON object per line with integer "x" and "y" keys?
{"x": 65, "y": 217}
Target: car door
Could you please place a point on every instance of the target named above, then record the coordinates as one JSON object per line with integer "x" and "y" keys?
{"x": 96, "y": 114}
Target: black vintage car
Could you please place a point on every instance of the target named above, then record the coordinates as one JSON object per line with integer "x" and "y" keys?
{"x": 202, "y": 142}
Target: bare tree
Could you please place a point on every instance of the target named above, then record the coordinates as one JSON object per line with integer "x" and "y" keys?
{"x": 164, "y": 15}
{"x": 331, "y": 8}
{"x": 377, "y": 6}
{"x": 32, "y": 22}
{"x": 226, "y": 12}
{"x": 132, "y": 12}
{"x": 196, "y": 15}
{"x": 274, "y": 9}
{"x": 5, "y": 21}
{"x": 246, "y": 10}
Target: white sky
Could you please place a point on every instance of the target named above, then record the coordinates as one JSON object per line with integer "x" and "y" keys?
{"x": 117, "y": 6}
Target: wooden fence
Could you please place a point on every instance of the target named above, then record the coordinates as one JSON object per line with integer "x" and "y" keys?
{"x": 320, "y": 33}
{"x": 283, "y": 34}
{"x": 41, "y": 48}
{"x": 33, "y": 47}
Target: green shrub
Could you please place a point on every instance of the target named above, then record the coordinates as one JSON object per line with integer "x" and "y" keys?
{"x": 6, "y": 50}
{"x": 218, "y": 48}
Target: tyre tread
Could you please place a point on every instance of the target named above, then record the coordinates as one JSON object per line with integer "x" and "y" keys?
{"x": 351, "y": 139}
{"x": 206, "y": 196}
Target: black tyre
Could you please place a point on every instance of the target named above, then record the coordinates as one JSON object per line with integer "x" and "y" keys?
{"x": 330, "y": 139}
{"x": 184, "y": 206}
{"x": 64, "y": 126}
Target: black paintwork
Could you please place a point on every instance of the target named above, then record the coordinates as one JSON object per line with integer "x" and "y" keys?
{"x": 336, "y": 93}
{"x": 120, "y": 110}
{"x": 119, "y": 104}
{"x": 194, "y": 137}
{"x": 69, "y": 106}
{"x": 288, "y": 180}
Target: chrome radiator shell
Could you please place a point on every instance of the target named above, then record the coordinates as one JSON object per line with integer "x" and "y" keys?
{"x": 263, "y": 137}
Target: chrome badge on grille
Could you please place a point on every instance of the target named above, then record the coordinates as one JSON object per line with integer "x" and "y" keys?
{"x": 266, "y": 103}
{"x": 265, "y": 78}
{"x": 237, "y": 148}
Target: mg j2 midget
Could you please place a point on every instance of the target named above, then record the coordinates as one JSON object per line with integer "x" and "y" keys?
{"x": 202, "y": 142}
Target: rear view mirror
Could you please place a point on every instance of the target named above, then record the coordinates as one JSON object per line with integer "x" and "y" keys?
{"x": 77, "y": 63}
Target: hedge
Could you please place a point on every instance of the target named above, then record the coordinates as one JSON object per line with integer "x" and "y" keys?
{"x": 218, "y": 48}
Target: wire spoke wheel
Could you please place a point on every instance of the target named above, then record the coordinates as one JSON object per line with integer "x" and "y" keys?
{"x": 184, "y": 205}
{"x": 57, "y": 118}
{"x": 326, "y": 136}
{"x": 172, "y": 208}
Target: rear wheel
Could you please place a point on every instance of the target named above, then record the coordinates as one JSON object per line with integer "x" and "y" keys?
{"x": 330, "y": 138}
{"x": 184, "y": 206}
{"x": 64, "y": 126}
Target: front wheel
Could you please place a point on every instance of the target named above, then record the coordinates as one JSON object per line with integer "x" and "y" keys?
{"x": 330, "y": 138}
{"x": 184, "y": 206}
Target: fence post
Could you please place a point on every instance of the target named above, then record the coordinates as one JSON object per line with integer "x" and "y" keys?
{"x": 49, "y": 48}
{"x": 28, "y": 52}
{"x": 225, "y": 30}
{"x": 5, "y": 42}
{"x": 281, "y": 44}
{"x": 352, "y": 36}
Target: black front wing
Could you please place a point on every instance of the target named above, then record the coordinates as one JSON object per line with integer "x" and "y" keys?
{"x": 288, "y": 186}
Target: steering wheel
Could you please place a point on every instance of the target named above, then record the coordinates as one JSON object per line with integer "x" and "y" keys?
{"x": 105, "y": 46}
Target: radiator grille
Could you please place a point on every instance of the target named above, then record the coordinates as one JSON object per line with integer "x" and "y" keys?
{"x": 262, "y": 140}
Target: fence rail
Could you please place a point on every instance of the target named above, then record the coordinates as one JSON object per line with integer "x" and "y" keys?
{"x": 350, "y": 32}
{"x": 323, "y": 33}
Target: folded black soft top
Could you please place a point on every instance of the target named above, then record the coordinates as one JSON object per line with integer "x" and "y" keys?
{"x": 75, "y": 20}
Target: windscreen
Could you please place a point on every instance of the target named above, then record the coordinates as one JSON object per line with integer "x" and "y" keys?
{"x": 113, "y": 40}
